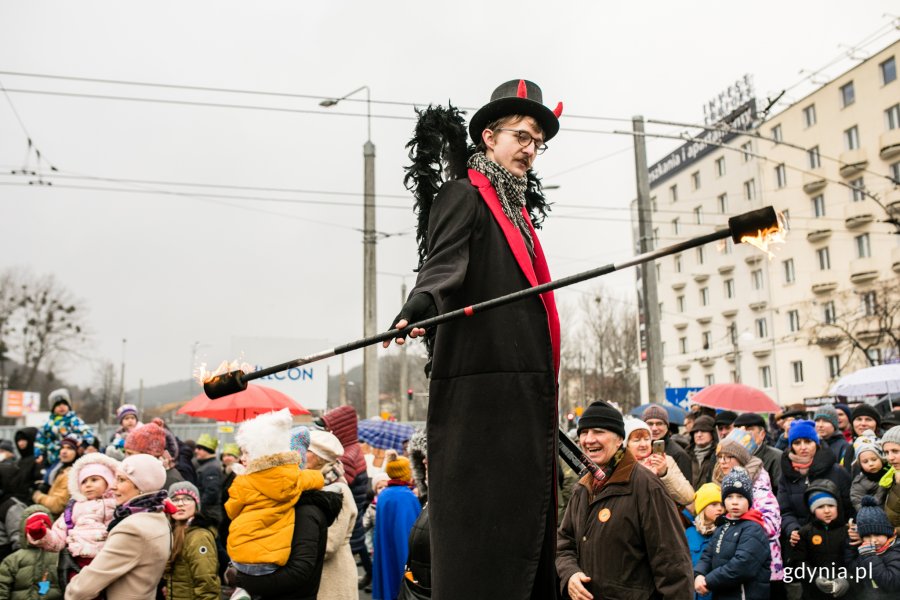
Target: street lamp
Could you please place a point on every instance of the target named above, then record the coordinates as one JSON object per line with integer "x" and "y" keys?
{"x": 370, "y": 327}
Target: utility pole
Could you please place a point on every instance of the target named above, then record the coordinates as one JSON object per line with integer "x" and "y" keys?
{"x": 370, "y": 353}
{"x": 122, "y": 376}
{"x": 404, "y": 369}
{"x": 342, "y": 392}
{"x": 655, "y": 382}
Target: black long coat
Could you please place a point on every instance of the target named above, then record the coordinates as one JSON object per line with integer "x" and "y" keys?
{"x": 492, "y": 418}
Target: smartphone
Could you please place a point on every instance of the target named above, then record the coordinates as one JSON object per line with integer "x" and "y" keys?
{"x": 659, "y": 447}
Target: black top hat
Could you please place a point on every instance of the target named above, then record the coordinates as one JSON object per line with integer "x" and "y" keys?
{"x": 516, "y": 97}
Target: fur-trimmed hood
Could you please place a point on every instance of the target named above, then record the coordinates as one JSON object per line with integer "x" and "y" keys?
{"x": 266, "y": 435}
{"x": 271, "y": 460}
{"x": 94, "y": 458}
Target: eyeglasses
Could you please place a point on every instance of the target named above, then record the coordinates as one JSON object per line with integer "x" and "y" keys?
{"x": 526, "y": 138}
{"x": 183, "y": 499}
{"x": 725, "y": 457}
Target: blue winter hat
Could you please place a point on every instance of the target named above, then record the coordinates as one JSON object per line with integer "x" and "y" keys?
{"x": 871, "y": 519}
{"x": 803, "y": 430}
{"x": 300, "y": 442}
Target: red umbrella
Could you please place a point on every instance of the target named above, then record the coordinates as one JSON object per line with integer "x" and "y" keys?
{"x": 735, "y": 396}
{"x": 253, "y": 401}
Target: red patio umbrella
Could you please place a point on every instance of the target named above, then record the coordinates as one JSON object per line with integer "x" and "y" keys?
{"x": 253, "y": 401}
{"x": 735, "y": 396}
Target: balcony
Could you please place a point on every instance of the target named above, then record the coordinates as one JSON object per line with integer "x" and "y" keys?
{"x": 762, "y": 352}
{"x": 863, "y": 270}
{"x": 828, "y": 335}
{"x": 895, "y": 259}
{"x": 701, "y": 277}
{"x": 814, "y": 182}
{"x": 892, "y": 203}
{"x": 678, "y": 281}
{"x": 732, "y": 312}
{"x": 726, "y": 269}
{"x": 757, "y": 306}
{"x": 823, "y": 281}
{"x": 707, "y": 361}
{"x": 705, "y": 320}
{"x": 684, "y": 367}
{"x": 854, "y": 161}
{"x": 679, "y": 325}
{"x": 889, "y": 144}
{"x": 857, "y": 214}
{"x": 817, "y": 236}
{"x": 753, "y": 258}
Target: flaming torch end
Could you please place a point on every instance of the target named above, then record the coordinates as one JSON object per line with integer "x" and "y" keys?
{"x": 751, "y": 223}
{"x": 225, "y": 384}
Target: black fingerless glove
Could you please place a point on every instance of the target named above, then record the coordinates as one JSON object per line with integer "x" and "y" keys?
{"x": 418, "y": 308}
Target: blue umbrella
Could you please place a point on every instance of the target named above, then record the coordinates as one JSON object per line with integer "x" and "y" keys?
{"x": 384, "y": 434}
{"x": 676, "y": 415}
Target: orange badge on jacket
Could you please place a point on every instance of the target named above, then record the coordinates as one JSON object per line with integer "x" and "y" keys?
{"x": 604, "y": 515}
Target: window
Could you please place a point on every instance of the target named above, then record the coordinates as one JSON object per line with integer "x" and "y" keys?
{"x": 786, "y": 219}
{"x": 834, "y": 366}
{"x": 874, "y": 355}
{"x": 762, "y": 328}
{"x": 655, "y": 237}
{"x": 888, "y": 71}
{"x": 863, "y": 248}
{"x": 695, "y": 180}
{"x": 797, "y": 370}
{"x": 747, "y": 148}
{"x": 682, "y": 345}
{"x": 710, "y": 379}
{"x": 698, "y": 216}
{"x": 789, "y": 275}
{"x": 700, "y": 255}
{"x": 720, "y": 166}
{"x": 675, "y": 226}
{"x": 658, "y": 269}
{"x": 750, "y": 189}
{"x": 732, "y": 333}
{"x": 765, "y": 377}
{"x": 729, "y": 288}
{"x": 707, "y": 340}
{"x": 728, "y": 248}
{"x": 673, "y": 193}
{"x": 780, "y": 176}
{"x": 829, "y": 314}
{"x": 679, "y": 302}
{"x": 814, "y": 160}
{"x": 677, "y": 260}
{"x": 653, "y": 207}
{"x": 824, "y": 258}
{"x": 818, "y": 206}
{"x": 776, "y": 134}
{"x": 870, "y": 303}
{"x": 895, "y": 172}
{"x": 851, "y": 138}
{"x": 809, "y": 115}
{"x": 857, "y": 190}
{"x": 704, "y": 296}
{"x": 756, "y": 277}
{"x": 685, "y": 382}
{"x": 723, "y": 204}
{"x": 848, "y": 96}
{"x": 793, "y": 320}
{"x": 660, "y": 308}
{"x": 892, "y": 117}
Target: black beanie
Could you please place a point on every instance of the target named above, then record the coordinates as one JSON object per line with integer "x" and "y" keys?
{"x": 726, "y": 417}
{"x": 867, "y": 410}
{"x": 602, "y": 415}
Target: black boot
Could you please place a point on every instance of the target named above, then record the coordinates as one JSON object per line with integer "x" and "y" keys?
{"x": 364, "y": 582}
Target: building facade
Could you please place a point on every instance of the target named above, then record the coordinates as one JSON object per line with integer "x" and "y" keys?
{"x": 827, "y": 303}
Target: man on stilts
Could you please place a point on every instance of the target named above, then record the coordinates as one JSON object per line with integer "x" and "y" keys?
{"x": 492, "y": 415}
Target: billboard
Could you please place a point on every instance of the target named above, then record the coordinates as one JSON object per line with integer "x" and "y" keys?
{"x": 18, "y": 403}
{"x": 308, "y": 384}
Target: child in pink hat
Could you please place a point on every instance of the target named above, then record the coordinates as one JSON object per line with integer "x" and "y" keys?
{"x": 82, "y": 528}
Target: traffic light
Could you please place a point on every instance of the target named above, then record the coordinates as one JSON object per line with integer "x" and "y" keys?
{"x": 409, "y": 394}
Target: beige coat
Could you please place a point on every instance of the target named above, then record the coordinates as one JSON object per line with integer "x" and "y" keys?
{"x": 131, "y": 563}
{"x": 676, "y": 484}
{"x": 339, "y": 575}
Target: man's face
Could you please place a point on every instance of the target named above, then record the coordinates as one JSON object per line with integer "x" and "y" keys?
{"x": 201, "y": 453}
{"x": 702, "y": 438}
{"x": 599, "y": 444}
{"x": 228, "y": 459}
{"x": 504, "y": 148}
{"x": 724, "y": 430}
{"x": 757, "y": 433}
{"x": 843, "y": 421}
{"x": 658, "y": 428}
{"x": 786, "y": 424}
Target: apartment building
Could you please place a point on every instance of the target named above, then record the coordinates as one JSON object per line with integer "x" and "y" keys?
{"x": 782, "y": 324}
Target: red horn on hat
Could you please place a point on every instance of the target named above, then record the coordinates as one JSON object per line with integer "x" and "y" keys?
{"x": 558, "y": 110}
{"x": 522, "y": 92}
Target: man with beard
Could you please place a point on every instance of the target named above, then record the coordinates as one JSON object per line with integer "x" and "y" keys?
{"x": 492, "y": 371}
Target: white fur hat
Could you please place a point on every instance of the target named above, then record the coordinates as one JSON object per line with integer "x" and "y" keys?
{"x": 94, "y": 458}
{"x": 266, "y": 434}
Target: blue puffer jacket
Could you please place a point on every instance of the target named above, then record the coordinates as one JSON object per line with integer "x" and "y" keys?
{"x": 697, "y": 542}
{"x": 794, "y": 509}
{"x": 736, "y": 560}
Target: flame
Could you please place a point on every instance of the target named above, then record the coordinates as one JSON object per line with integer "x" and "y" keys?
{"x": 765, "y": 238}
{"x": 202, "y": 374}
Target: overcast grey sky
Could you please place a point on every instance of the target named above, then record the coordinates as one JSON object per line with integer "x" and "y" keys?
{"x": 165, "y": 271}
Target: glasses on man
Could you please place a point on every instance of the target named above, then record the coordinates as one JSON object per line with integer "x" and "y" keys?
{"x": 526, "y": 138}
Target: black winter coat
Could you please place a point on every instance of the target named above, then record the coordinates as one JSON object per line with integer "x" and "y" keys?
{"x": 299, "y": 579}
{"x": 771, "y": 459}
{"x": 736, "y": 561}
{"x": 29, "y": 470}
{"x": 794, "y": 509}
{"x": 820, "y": 545}
{"x": 842, "y": 450}
{"x": 885, "y": 568}
{"x": 360, "y": 489}
{"x": 210, "y": 475}
{"x": 498, "y": 541}
{"x": 681, "y": 458}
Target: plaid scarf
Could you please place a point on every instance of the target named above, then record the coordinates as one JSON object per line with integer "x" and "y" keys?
{"x": 152, "y": 502}
{"x": 510, "y": 190}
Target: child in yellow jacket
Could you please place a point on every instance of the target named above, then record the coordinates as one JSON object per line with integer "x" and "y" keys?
{"x": 261, "y": 500}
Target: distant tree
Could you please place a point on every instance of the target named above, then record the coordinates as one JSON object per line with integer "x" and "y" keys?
{"x": 41, "y": 323}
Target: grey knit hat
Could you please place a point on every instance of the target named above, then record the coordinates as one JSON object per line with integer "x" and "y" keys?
{"x": 185, "y": 488}
{"x": 891, "y": 435}
{"x": 829, "y": 413}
